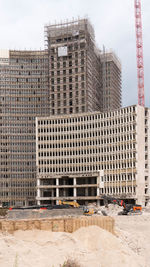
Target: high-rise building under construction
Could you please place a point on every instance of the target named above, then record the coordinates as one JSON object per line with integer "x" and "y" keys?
{"x": 111, "y": 73}
{"x": 79, "y": 72}
{"x": 66, "y": 77}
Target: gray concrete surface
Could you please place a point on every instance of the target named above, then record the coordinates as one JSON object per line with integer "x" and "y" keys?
{"x": 39, "y": 214}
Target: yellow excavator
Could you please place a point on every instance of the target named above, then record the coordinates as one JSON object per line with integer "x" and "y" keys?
{"x": 69, "y": 203}
{"x": 88, "y": 211}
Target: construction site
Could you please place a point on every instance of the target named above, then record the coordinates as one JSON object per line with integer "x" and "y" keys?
{"x": 79, "y": 236}
{"x": 74, "y": 163}
{"x": 66, "y": 78}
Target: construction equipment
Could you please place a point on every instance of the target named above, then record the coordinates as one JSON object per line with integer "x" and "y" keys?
{"x": 127, "y": 208}
{"x": 139, "y": 52}
{"x": 69, "y": 203}
{"x": 88, "y": 211}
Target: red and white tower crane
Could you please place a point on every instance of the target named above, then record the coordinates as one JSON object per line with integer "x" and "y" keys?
{"x": 139, "y": 52}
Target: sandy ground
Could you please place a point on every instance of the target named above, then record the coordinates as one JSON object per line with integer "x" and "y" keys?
{"x": 90, "y": 246}
{"x": 135, "y": 232}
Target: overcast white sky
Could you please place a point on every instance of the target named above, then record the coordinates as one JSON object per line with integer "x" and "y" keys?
{"x": 22, "y": 27}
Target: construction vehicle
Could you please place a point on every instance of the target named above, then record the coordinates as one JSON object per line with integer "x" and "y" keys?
{"x": 69, "y": 203}
{"x": 127, "y": 208}
{"x": 88, "y": 211}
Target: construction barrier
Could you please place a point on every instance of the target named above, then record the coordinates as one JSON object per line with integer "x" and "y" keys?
{"x": 58, "y": 224}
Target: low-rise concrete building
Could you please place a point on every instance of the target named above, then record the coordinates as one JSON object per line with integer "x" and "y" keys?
{"x": 83, "y": 156}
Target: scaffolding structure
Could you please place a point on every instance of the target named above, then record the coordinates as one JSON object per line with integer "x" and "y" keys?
{"x": 72, "y": 27}
{"x": 111, "y": 74}
{"x": 75, "y": 69}
{"x": 139, "y": 52}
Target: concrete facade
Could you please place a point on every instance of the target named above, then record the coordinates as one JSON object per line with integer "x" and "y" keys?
{"x": 83, "y": 156}
{"x": 23, "y": 96}
{"x": 111, "y": 73}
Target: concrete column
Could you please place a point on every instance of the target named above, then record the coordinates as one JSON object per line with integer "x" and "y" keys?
{"x": 74, "y": 189}
{"x": 52, "y": 192}
{"x": 57, "y": 191}
{"x": 64, "y": 192}
{"x": 26, "y": 202}
{"x": 38, "y": 202}
{"x": 52, "y": 196}
{"x": 98, "y": 192}
{"x": 38, "y": 191}
{"x": 86, "y": 191}
{"x": 92, "y": 191}
{"x": 98, "y": 200}
{"x": 64, "y": 189}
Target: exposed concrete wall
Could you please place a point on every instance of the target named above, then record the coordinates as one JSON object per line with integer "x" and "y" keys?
{"x": 140, "y": 156}
{"x": 120, "y": 152}
{"x": 58, "y": 224}
{"x": 147, "y": 171}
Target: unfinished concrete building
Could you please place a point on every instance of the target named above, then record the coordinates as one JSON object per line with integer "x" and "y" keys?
{"x": 82, "y": 78}
{"x": 23, "y": 96}
{"x": 83, "y": 156}
{"x": 111, "y": 73}
{"x": 75, "y": 69}
{"x": 65, "y": 78}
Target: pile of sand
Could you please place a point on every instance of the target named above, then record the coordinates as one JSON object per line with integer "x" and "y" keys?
{"x": 90, "y": 246}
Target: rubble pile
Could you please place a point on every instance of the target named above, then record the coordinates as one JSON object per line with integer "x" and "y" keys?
{"x": 111, "y": 210}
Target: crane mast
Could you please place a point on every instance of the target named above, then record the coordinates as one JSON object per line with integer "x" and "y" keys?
{"x": 139, "y": 52}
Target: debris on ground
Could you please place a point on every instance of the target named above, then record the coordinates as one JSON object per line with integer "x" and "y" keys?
{"x": 110, "y": 210}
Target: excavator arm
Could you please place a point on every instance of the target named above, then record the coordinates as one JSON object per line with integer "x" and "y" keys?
{"x": 127, "y": 208}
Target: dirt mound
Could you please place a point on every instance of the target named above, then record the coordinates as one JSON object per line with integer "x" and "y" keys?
{"x": 89, "y": 246}
{"x": 109, "y": 249}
